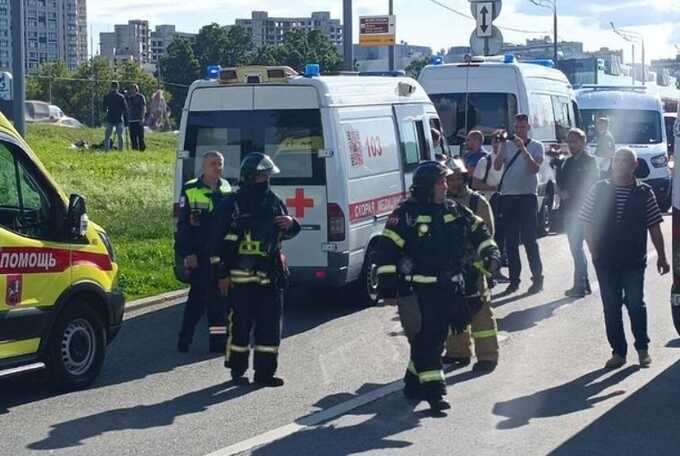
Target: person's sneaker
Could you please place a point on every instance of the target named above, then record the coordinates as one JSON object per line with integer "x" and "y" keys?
{"x": 183, "y": 346}
{"x": 536, "y": 287}
{"x": 271, "y": 382}
{"x": 460, "y": 361}
{"x": 484, "y": 367}
{"x": 439, "y": 405}
{"x": 587, "y": 288}
{"x": 645, "y": 359}
{"x": 512, "y": 288}
{"x": 615, "y": 362}
{"x": 575, "y": 292}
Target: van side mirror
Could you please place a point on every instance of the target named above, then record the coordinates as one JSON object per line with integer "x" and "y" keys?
{"x": 76, "y": 219}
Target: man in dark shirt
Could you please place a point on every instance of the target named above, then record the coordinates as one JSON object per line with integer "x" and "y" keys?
{"x": 115, "y": 107}
{"x": 579, "y": 173}
{"x": 136, "y": 114}
{"x": 617, "y": 215}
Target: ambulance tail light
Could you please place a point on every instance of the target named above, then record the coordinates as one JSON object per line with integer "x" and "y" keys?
{"x": 336, "y": 223}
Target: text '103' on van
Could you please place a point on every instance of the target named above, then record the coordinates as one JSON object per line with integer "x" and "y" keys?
{"x": 346, "y": 146}
{"x": 59, "y": 300}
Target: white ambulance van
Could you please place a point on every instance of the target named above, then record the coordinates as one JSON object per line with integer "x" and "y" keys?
{"x": 636, "y": 121}
{"x": 486, "y": 94}
{"x": 346, "y": 146}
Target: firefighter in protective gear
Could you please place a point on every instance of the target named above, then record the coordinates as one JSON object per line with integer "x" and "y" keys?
{"x": 198, "y": 201}
{"x": 250, "y": 227}
{"x": 420, "y": 263}
{"x": 483, "y": 324}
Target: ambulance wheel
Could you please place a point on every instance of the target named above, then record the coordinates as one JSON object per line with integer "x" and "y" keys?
{"x": 75, "y": 353}
{"x": 368, "y": 281}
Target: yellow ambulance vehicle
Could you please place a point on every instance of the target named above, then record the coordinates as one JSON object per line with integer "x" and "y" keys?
{"x": 59, "y": 302}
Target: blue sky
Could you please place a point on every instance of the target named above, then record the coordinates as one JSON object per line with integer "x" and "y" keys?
{"x": 424, "y": 23}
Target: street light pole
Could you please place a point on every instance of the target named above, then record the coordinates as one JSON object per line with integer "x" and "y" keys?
{"x": 634, "y": 37}
{"x": 390, "y": 50}
{"x": 555, "y": 31}
{"x": 18, "y": 66}
{"x": 348, "y": 49}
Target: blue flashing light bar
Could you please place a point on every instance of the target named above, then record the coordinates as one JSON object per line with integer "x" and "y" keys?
{"x": 213, "y": 72}
{"x": 549, "y": 63}
{"x": 509, "y": 58}
{"x": 312, "y": 70}
{"x": 437, "y": 60}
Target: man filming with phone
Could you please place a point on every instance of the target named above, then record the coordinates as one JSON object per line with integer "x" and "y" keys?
{"x": 521, "y": 158}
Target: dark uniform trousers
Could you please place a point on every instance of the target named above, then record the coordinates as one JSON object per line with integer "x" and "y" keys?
{"x": 261, "y": 307}
{"x": 203, "y": 296}
{"x": 425, "y": 369}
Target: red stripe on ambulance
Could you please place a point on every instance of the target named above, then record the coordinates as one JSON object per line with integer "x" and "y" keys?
{"x": 375, "y": 207}
{"x": 36, "y": 260}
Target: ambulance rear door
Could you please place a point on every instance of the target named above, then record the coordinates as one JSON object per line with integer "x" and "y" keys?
{"x": 285, "y": 123}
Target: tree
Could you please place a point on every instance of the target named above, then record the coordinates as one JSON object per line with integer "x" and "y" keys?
{"x": 129, "y": 73}
{"x": 211, "y": 45}
{"x": 300, "y": 48}
{"x": 50, "y": 84}
{"x": 239, "y": 48}
{"x": 179, "y": 68}
{"x": 265, "y": 56}
{"x": 92, "y": 82}
{"x": 414, "y": 68}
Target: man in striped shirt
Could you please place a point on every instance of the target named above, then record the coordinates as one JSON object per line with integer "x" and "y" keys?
{"x": 617, "y": 215}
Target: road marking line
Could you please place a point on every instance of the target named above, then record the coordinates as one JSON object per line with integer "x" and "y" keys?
{"x": 309, "y": 421}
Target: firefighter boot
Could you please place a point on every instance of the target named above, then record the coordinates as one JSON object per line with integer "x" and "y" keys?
{"x": 411, "y": 384}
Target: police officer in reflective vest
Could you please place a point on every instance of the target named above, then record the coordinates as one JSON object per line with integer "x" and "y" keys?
{"x": 198, "y": 201}
{"x": 478, "y": 296}
{"x": 420, "y": 268}
{"x": 250, "y": 228}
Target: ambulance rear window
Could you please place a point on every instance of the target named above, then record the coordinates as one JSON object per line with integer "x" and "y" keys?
{"x": 293, "y": 138}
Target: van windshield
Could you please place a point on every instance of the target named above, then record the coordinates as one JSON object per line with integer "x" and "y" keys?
{"x": 628, "y": 126}
{"x": 485, "y": 111}
{"x": 292, "y": 138}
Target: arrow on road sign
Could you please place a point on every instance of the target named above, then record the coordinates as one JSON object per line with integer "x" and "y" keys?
{"x": 484, "y": 12}
{"x": 484, "y": 15}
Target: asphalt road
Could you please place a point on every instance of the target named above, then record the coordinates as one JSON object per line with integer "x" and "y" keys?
{"x": 549, "y": 395}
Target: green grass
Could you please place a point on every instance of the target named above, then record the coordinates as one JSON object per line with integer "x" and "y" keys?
{"x": 128, "y": 193}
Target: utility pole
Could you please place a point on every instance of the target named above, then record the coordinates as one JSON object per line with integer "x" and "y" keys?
{"x": 390, "y": 50}
{"x": 348, "y": 49}
{"x": 18, "y": 66}
{"x": 555, "y": 31}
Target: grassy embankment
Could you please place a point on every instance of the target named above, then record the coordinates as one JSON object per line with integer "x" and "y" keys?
{"x": 128, "y": 193}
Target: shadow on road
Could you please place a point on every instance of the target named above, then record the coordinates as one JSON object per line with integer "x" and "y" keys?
{"x": 645, "y": 423}
{"x": 521, "y": 320}
{"x": 673, "y": 344}
{"x": 579, "y": 394}
{"x": 73, "y": 433}
{"x": 146, "y": 344}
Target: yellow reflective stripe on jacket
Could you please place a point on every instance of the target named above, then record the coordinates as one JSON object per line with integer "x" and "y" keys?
{"x": 217, "y": 330}
{"x": 266, "y": 349}
{"x": 198, "y": 199}
{"x": 240, "y": 273}
{"x": 238, "y": 348}
{"x": 485, "y": 245}
{"x": 479, "y": 266}
{"x": 231, "y": 237}
{"x": 387, "y": 269}
{"x": 214, "y": 260}
{"x": 478, "y": 222}
{"x": 394, "y": 237}
{"x": 424, "y": 219}
{"x": 243, "y": 280}
{"x": 431, "y": 376}
{"x": 448, "y": 218}
{"x": 412, "y": 368}
{"x": 421, "y": 279}
{"x": 484, "y": 334}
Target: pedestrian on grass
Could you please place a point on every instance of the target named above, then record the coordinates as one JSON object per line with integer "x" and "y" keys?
{"x": 115, "y": 107}
{"x": 136, "y": 115}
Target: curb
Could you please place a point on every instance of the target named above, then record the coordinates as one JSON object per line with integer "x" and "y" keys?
{"x": 178, "y": 295}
